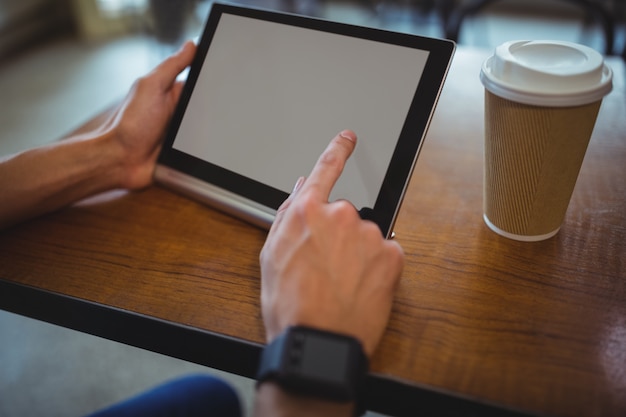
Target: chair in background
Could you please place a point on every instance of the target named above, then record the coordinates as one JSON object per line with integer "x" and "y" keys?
{"x": 593, "y": 9}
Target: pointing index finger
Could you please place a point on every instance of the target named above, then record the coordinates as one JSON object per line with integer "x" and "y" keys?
{"x": 330, "y": 164}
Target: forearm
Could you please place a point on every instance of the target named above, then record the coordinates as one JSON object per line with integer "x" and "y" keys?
{"x": 272, "y": 401}
{"x": 122, "y": 153}
{"x": 45, "y": 179}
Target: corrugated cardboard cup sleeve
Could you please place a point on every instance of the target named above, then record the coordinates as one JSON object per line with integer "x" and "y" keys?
{"x": 532, "y": 159}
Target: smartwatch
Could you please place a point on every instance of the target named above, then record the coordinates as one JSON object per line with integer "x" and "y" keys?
{"x": 316, "y": 363}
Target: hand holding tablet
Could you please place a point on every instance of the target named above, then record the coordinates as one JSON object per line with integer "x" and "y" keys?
{"x": 265, "y": 92}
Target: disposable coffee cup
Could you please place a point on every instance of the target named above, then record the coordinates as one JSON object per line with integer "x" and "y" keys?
{"x": 541, "y": 103}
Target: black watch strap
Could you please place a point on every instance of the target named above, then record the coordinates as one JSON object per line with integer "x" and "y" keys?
{"x": 316, "y": 363}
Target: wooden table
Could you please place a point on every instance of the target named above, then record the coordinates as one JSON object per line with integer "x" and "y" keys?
{"x": 481, "y": 325}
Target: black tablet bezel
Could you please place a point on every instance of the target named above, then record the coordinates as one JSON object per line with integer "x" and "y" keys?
{"x": 407, "y": 147}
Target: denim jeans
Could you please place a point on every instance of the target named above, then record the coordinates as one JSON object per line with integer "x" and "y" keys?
{"x": 191, "y": 396}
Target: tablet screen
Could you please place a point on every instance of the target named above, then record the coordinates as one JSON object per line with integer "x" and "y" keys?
{"x": 268, "y": 91}
{"x": 269, "y": 98}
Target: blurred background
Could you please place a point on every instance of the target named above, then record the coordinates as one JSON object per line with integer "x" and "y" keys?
{"x": 64, "y": 61}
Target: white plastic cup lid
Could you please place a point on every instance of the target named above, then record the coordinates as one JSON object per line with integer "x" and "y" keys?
{"x": 547, "y": 73}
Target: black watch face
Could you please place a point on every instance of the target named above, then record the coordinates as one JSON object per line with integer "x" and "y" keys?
{"x": 313, "y": 362}
{"x": 325, "y": 358}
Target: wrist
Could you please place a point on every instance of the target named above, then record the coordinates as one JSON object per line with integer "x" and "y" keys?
{"x": 132, "y": 167}
{"x": 113, "y": 158}
{"x": 272, "y": 400}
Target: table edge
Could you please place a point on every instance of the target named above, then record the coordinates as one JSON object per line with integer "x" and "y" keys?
{"x": 218, "y": 351}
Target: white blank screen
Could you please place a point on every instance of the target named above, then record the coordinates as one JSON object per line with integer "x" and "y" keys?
{"x": 270, "y": 97}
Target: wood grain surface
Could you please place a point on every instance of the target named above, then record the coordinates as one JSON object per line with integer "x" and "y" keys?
{"x": 535, "y": 326}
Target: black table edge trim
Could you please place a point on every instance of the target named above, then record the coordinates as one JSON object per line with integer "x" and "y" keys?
{"x": 217, "y": 351}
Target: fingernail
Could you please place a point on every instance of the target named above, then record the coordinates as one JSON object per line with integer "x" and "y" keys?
{"x": 348, "y": 134}
{"x": 298, "y": 185}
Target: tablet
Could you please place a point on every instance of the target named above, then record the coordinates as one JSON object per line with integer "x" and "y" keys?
{"x": 266, "y": 93}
